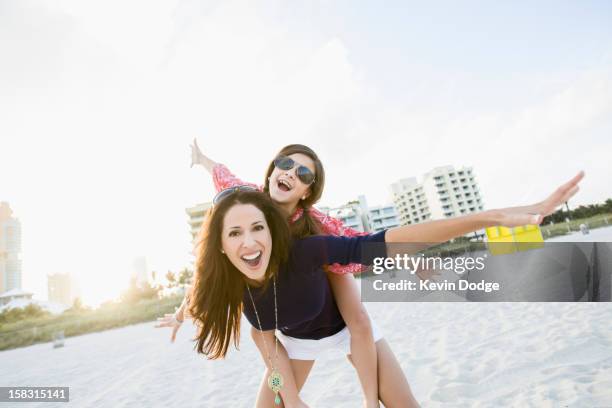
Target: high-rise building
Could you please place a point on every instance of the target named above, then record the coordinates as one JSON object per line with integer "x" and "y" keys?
{"x": 196, "y": 217}
{"x": 382, "y": 217}
{"x": 357, "y": 215}
{"x": 410, "y": 200}
{"x": 10, "y": 249}
{"x": 140, "y": 271}
{"x": 444, "y": 192}
{"x": 61, "y": 289}
{"x": 456, "y": 191}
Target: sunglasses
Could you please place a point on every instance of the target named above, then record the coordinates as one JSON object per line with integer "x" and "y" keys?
{"x": 303, "y": 173}
{"x": 221, "y": 195}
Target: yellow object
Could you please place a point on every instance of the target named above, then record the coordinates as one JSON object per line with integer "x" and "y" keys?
{"x": 528, "y": 237}
{"x": 503, "y": 240}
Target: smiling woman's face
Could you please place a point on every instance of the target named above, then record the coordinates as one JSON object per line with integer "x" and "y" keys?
{"x": 247, "y": 241}
{"x": 285, "y": 186}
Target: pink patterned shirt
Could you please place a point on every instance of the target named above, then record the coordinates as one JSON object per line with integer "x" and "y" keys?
{"x": 223, "y": 178}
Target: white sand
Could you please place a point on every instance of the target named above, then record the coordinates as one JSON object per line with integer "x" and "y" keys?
{"x": 454, "y": 355}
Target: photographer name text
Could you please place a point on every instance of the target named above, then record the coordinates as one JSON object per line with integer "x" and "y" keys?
{"x": 431, "y": 286}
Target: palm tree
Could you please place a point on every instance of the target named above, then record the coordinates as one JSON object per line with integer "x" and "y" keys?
{"x": 171, "y": 278}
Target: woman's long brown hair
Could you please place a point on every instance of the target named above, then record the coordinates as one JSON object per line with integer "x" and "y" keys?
{"x": 305, "y": 225}
{"x": 216, "y": 304}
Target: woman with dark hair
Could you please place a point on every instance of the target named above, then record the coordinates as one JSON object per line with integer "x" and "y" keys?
{"x": 295, "y": 180}
{"x": 246, "y": 262}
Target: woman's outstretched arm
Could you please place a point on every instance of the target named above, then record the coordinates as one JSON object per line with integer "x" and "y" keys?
{"x": 175, "y": 320}
{"x": 444, "y": 230}
{"x": 222, "y": 177}
{"x": 324, "y": 249}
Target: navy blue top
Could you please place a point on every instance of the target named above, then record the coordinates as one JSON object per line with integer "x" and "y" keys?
{"x": 306, "y": 307}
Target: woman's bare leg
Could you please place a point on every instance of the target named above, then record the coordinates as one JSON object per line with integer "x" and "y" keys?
{"x": 363, "y": 349}
{"x": 300, "y": 368}
{"x": 393, "y": 388}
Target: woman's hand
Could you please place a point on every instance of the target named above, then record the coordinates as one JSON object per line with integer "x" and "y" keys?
{"x": 197, "y": 157}
{"x": 196, "y": 153}
{"x": 533, "y": 214}
{"x": 170, "y": 320}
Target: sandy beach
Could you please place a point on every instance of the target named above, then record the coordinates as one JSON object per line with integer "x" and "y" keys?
{"x": 454, "y": 355}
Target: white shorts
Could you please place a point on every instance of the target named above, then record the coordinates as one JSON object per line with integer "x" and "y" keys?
{"x": 308, "y": 349}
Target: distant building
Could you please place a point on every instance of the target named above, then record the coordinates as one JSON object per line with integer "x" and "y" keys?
{"x": 452, "y": 192}
{"x": 383, "y": 217}
{"x": 10, "y": 249}
{"x": 410, "y": 201}
{"x": 18, "y": 299}
{"x": 351, "y": 215}
{"x": 445, "y": 192}
{"x": 357, "y": 215}
{"x": 14, "y": 295}
{"x": 196, "y": 217}
{"x": 61, "y": 289}
{"x": 140, "y": 271}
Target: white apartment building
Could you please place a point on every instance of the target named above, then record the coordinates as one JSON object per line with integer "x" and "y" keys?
{"x": 10, "y": 249}
{"x": 359, "y": 216}
{"x": 196, "y": 217}
{"x": 350, "y": 215}
{"x": 444, "y": 192}
{"x": 410, "y": 200}
{"x": 383, "y": 217}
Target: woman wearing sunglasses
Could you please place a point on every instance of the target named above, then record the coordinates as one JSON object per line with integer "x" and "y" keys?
{"x": 247, "y": 262}
{"x": 295, "y": 180}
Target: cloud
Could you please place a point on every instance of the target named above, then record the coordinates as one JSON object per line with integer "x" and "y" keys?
{"x": 101, "y": 130}
{"x": 529, "y": 150}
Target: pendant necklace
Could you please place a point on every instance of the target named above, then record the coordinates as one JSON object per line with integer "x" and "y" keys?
{"x": 275, "y": 380}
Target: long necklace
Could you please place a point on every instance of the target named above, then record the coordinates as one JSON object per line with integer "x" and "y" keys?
{"x": 275, "y": 380}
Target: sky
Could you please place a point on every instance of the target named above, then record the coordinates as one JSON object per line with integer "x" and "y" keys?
{"x": 99, "y": 102}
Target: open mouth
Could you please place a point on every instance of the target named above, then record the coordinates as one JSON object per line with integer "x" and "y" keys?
{"x": 284, "y": 185}
{"x": 253, "y": 259}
